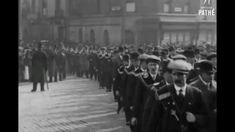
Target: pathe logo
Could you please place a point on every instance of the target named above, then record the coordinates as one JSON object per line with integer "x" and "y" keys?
{"x": 207, "y": 8}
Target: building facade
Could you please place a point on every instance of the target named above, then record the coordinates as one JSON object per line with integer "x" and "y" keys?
{"x": 125, "y": 21}
{"x": 42, "y": 19}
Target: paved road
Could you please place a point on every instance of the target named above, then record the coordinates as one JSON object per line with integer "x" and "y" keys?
{"x": 73, "y": 105}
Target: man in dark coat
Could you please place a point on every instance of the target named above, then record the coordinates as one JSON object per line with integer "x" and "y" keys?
{"x": 131, "y": 87}
{"x": 134, "y": 64}
{"x": 180, "y": 107}
{"x": 107, "y": 72}
{"x": 117, "y": 62}
{"x": 117, "y": 82}
{"x": 39, "y": 68}
{"x": 166, "y": 74}
{"x": 143, "y": 87}
{"x": 208, "y": 87}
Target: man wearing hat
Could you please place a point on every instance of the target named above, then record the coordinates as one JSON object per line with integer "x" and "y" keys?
{"x": 166, "y": 74}
{"x": 208, "y": 87}
{"x": 140, "y": 110}
{"x": 117, "y": 86}
{"x": 180, "y": 107}
{"x": 133, "y": 65}
{"x": 213, "y": 58}
{"x": 132, "y": 84}
{"x": 107, "y": 72}
{"x": 127, "y": 81}
{"x": 39, "y": 68}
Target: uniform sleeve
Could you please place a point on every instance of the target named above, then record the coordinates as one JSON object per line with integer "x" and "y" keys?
{"x": 202, "y": 114}
{"x": 137, "y": 98}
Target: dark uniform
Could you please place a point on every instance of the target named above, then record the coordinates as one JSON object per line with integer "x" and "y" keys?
{"x": 209, "y": 91}
{"x": 117, "y": 62}
{"x": 39, "y": 68}
{"x": 101, "y": 70}
{"x": 173, "y": 108}
{"x": 107, "y": 72}
{"x": 51, "y": 64}
{"x": 117, "y": 83}
{"x": 142, "y": 91}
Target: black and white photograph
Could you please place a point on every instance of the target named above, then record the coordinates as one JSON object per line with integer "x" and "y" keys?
{"x": 117, "y": 66}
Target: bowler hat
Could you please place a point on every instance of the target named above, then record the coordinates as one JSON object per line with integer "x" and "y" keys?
{"x": 206, "y": 66}
{"x": 189, "y": 53}
{"x": 134, "y": 56}
{"x": 126, "y": 57}
{"x": 211, "y": 55}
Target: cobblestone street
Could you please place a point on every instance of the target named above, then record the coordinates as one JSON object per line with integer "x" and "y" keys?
{"x": 72, "y": 105}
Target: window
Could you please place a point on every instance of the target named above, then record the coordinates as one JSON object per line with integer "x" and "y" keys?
{"x": 166, "y": 7}
{"x": 106, "y": 37}
{"x": 173, "y": 37}
{"x": 115, "y": 5}
{"x": 80, "y": 35}
{"x": 166, "y": 36}
{"x": 116, "y": 8}
{"x": 180, "y": 37}
{"x": 44, "y": 10}
{"x": 130, "y": 7}
{"x": 98, "y": 6}
{"x": 186, "y": 8}
{"x": 92, "y": 36}
{"x": 178, "y": 9}
{"x": 130, "y": 38}
{"x": 33, "y": 6}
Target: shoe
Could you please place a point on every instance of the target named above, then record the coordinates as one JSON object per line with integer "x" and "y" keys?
{"x": 33, "y": 90}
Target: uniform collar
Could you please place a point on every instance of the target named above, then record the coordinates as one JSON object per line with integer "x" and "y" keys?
{"x": 153, "y": 76}
{"x": 177, "y": 88}
{"x": 136, "y": 68}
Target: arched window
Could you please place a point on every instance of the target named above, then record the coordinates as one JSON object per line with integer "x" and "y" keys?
{"x": 92, "y": 36}
{"x": 130, "y": 38}
{"x": 106, "y": 37}
{"x": 80, "y": 35}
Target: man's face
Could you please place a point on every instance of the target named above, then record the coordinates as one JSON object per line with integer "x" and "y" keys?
{"x": 153, "y": 67}
{"x": 125, "y": 63}
{"x": 143, "y": 65}
{"x": 135, "y": 63}
{"x": 167, "y": 77}
{"x": 179, "y": 78}
{"x": 191, "y": 60}
{"x": 207, "y": 76}
{"x": 214, "y": 61}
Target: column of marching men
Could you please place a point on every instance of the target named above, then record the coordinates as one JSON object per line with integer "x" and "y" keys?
{"x": 160, "y": 89}
{"x": 166, "y": 90}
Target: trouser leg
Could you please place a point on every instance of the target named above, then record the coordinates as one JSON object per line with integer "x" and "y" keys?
{"x": 42, "y": 85}
{"x": 34, "y": 86}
